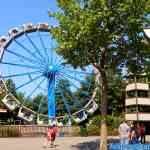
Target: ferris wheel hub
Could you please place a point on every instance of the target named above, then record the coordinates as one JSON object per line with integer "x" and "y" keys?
{"x": 51, "y": 72}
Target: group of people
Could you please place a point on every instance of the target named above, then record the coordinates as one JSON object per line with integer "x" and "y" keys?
{"x": 132, "y": 134}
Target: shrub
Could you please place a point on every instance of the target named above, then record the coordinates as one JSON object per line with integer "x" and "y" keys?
{"x": 93, "y": 130}
{"x": 113, "y": 124}
{"x": 83, "y": 131}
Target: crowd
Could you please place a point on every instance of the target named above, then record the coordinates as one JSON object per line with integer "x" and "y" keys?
{"x": 133, "y": 133}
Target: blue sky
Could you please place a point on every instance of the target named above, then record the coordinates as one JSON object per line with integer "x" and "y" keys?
{"x": 17, "y": 12}
{"x": 14, "y": 13}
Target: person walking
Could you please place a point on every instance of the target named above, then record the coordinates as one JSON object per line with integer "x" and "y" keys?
{"x": 124, "y": 131}
{"x": 54, "y": 132}
{"x": 138, "y": 131}
{"x": 51, "y": 135}
{"x": 143, "y": 131}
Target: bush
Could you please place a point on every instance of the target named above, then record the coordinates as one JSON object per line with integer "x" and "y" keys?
{"x": 93, "y": 130}
{"x": 113, "y": 124}
{"x": 83, "y": 130}
{"x": 75, "y": 131}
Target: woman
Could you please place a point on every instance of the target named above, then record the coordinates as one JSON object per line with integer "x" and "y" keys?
{"x": 51, "y": 135}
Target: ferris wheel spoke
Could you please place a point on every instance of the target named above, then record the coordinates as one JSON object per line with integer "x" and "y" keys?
{"x": 38, "y": 85}
{"x": 51, "y": 53}
{"x": 29, "y": 82}
{"x": 43, "y": 89}
{"x": 75, "y": 100}
{"x": 43, "y": 45}
{"x": 27, "y": 50}
{"x": 78, "y": 72}
{"x": 35, "y": 47}
{"x": 90, "y": 83}
{"x": 41, "y": 102}
{"x": 72, "y": 77}
{"x": 21, "y": 74}
{"x": 22, "y": 65}
{"x": 72, "y": 83}
{"x": 25, "y": 58}
{"x": 59, "y": 61}
{"x": 65, "y": 102}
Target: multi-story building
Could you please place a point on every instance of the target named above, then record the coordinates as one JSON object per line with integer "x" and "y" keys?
{"x": 137, "y": 102}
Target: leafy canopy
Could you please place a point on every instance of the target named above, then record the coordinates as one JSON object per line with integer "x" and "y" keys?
{"x": 108, "y": 33}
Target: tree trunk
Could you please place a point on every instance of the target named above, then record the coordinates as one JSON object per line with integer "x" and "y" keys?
{"x": 103, "y": 85}
{"x": 103, "y": 133}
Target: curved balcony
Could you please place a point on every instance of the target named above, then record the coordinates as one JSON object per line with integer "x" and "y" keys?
{"x": 137, "y": 86}
{"x": 138, "y": 116}
{"x": 138, "y": 101}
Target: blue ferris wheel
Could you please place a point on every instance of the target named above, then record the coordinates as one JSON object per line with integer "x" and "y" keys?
{"x": 29, "y": 59}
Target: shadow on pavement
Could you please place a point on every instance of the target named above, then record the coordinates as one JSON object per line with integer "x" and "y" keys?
{"x": 92, "y": 145}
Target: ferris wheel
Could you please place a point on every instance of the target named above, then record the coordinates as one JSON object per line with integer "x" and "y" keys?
{"x": 28, "y": 57}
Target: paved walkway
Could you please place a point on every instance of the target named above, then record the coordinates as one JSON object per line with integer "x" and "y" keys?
{"x": 62, "y": 143}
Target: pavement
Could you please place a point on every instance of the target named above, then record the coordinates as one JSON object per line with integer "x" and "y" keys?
{"x": 61, "y": 143}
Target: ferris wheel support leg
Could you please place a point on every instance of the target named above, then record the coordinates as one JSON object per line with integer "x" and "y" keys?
{"x": 51, "y": 101}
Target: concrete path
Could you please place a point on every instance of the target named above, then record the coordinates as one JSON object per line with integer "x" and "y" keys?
{"x": 62, "y": 143}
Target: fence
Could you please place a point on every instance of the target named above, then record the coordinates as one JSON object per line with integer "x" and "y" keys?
{"x": 33, "y": 130}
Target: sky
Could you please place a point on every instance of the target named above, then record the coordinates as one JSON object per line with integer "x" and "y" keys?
{"x": 14, "y": 13}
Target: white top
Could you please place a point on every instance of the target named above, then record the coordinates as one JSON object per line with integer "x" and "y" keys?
{"x": 124, "y": 130}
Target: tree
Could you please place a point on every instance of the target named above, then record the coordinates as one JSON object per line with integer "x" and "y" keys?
{"x": 40, "y": 103}
{"x": 63, "y": 87}
{"x": 85, "y": 91}
{"x": 107, "y": 34}
{"x": 11, "y": 86}
{"x": 116, "y": 95}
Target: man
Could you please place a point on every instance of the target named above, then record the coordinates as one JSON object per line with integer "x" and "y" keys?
{"x": 124, "y": 131}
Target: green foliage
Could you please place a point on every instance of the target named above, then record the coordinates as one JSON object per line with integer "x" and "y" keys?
{"x": 86, "y": 90}
{"x": 39, "y": 103}
{"x": 112, "y": 121}
{"x": 116, "y": 95}
{"x": 83, "y": 130}
{"x": 11, "y": 86}
{"x": 108, "y": 33}
{"x": 93, "y": 130}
